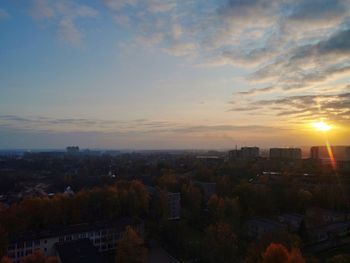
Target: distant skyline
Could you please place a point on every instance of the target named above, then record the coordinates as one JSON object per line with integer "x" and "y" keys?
{"x": 173, "y": 74}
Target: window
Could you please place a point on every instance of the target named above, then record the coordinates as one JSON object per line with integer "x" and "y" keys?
{"x": 29, "y": 243}
{"x": 37, "y": 242}
{"x": 20, "y": 245}
{"x": 12, "y": 247}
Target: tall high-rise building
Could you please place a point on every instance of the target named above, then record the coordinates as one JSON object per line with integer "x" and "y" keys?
{"x": 285, "y": 153}
{"x": 244, "y": 153}
{"x": 340, "y": 153}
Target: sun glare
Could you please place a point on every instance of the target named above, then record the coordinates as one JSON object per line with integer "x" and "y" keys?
{"x": 321, "y": 126}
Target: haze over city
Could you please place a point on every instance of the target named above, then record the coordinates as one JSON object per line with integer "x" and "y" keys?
{"x": 169, "y": 74}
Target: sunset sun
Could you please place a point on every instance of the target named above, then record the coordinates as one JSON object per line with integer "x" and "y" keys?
{"x": 321, "y": 126}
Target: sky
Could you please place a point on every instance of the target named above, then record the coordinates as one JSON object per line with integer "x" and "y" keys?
{"x": 173, "y": 74}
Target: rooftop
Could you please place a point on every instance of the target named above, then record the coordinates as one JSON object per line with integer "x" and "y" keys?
{"x": 77, "y": 251}
{"x": 53, "y": 231}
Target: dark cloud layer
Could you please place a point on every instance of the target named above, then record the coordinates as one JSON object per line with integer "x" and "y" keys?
{"x": 335, "y": 107}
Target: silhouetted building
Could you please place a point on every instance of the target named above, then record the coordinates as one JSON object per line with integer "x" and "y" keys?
{"x": 285, "y": 153}
{"x": 72, "y": 149}
{"x": 250, "y": 152}
{"x": 259, "y": 226}
{"x": 103, "y": 235}
{"x": 244, "y": 153}
{"x": 234, "y": 154}
{"x": 340, "y": 153}
{"x": 174, "y": 205}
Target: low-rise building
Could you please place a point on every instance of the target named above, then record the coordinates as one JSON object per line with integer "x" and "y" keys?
{"x": 174, "y": 205}
{"x": 77, "y": 251}
{"x": 103, "y": 235}
{"x": 256, "y": 227}
{"x": 320, "y": 216}
{"x": 331, "y": 231}
{"x": 173, "y": 208}
{"x": 293, "y": 221}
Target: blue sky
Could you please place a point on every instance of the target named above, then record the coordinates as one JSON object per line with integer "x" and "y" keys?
{"x": 173, "y": 74}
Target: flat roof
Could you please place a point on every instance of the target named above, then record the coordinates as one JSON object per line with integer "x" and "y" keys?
{"x": 62, "y": 230}
{"x": 77, "y": 251}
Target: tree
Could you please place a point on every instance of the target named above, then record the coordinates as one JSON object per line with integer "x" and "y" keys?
{"x": 277, "y": 253}
{"x": 339, "y": 259}
{"x": 221, "y": 243}
{"x": 38, "y": 257}
{"x": 3, "y": 242}
{"x": 130, "y": 248}
{"x": 258, "y": 247}
{"x": 295, "y": 256}
{"x": 6, "y": 260}
{"x": 51, "y": 260}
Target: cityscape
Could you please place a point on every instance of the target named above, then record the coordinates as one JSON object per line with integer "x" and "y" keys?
{"x": 175, "y": 131}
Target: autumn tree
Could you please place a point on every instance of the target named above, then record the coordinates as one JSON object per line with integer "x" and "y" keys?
{"x": 339, "y": 259}
{"x": 3, "y": 242}
{"x": 277, "y": 253}
{"x": 224, "y": 209}
{"x": 258, "y": 247}
{"x": 5, "y": 260}
{"x": 38, "y": 257}
{"x": 221, "y": 243}
{"x": 130, "y": 248}
{"x": 192, "y": 200}
{"x": 168, "y": 182}
{"x": 103, "y": 203}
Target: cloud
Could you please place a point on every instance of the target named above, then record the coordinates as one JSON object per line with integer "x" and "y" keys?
{"x": 333, "y": 107}
{"x": 4, "y": 14}
{"x": 181, "y": 49}
{"x": 63, "y": 14}
{"x": 318, "y": 10}
{"x": 68, "y": 31}
{"x": 284, "y": 42}
{"x": 282, "y": 46}
{"x": 47, "y": 124}
{"x": 42, "y": 9}
{"x": 256, "y": 91}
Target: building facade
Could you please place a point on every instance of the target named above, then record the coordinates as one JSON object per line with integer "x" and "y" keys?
{"x": 340, "y": 153}
{"x": 104, "y": 237}
{"x": 285, "y": 153}
{"x": 244, "y": 153}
